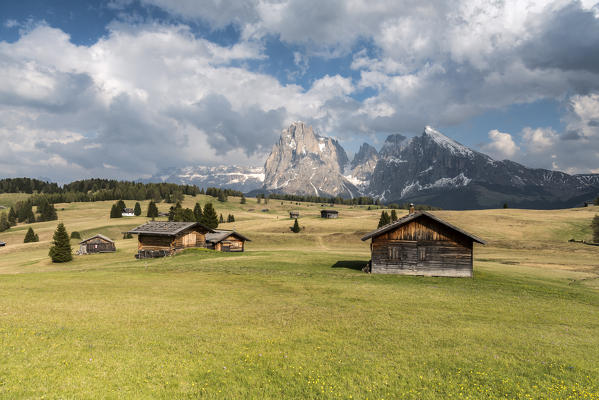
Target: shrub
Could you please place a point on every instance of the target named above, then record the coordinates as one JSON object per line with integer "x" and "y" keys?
{"x": 75, "y": 235}
{"x": 127, "y": 235}
{"x": 137, "y": 209}
{"x": 61, "y": 249}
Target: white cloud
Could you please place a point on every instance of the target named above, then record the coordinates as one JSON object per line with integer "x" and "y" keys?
{"x": 539, "y": 139}
{"x": 502, "y": 145}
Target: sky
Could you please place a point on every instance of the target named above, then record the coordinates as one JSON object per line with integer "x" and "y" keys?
{"x": 127, "y": 88}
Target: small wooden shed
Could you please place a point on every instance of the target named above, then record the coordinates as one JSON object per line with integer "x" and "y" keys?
{"x": 228, "y": 241}
{"x": 329, "y": 214}
{"x": 422, "y": 244}
{"x": 294, "y": 214}
{"x": 96, "y": 244}
{"x": 2, "y": 244}
{"x": 164, "y": 238}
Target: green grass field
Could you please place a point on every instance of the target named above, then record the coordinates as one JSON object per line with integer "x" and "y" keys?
{"x": 294, "y": 317}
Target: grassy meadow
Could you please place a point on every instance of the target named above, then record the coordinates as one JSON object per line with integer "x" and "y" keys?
{"x": 294, "y": 317}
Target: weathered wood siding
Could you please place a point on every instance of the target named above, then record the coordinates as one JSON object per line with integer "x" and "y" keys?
{"x": 232, "y": 244}
{"x": 194, "y": 237}
{"x": 154, "y": 242}
{"x": 422, "y": 247}
{"x": 97, "y": 245}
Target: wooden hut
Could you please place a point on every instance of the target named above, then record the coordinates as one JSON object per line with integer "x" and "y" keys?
{"x": 422, "y": 244}
{"x": 329, "y": 214}
{"x": 2, "y": 244}
{"x": 128, "y": 212}
{"x": 96, "y": 244}
{"x": 293, "y": 214}
{"x": 222, "y": 240}
{"x": 164, "y": 238}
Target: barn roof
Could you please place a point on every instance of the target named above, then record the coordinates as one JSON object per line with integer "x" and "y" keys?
{"x": 166, "y": 228}
{"x": 219, "y": 235}
{"x": 2, "y": 244}
{"x": 329, "y": 211}
{"x": 413, "y": 216}
{"x": 97, "y": 236}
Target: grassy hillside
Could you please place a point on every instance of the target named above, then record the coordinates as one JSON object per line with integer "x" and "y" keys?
{"x": 293, "y": 316}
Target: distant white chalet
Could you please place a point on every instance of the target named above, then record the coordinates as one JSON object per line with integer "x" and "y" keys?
{"x": 128, "y": 212}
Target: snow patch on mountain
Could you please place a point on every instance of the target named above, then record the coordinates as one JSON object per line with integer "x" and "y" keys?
{"x": 444, "y": 141}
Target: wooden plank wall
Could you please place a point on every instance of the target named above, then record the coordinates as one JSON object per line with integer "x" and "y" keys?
{"x": 422, "y": 247}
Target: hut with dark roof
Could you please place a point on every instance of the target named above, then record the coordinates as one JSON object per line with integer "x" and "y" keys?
{"x": 2, "y": 244}
{"x": 164, "y": 238}
{"x": 96, "y": 244}
{"x": 329, "y": 214}
{"x": 222, "y": 240}
{"x": 422, "y": 244}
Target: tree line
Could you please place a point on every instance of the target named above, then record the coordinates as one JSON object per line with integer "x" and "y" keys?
{"x": 22, "y": 212}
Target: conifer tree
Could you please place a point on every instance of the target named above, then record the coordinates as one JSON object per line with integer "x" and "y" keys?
{"x": 393, "y": 216}
{"x": 31, "y": 236}
{"x": 152, "y": 210}
{"x": 61, "y": 245}
{"x": 231, "y": 218}
{"x": 242, "y": 201}
{"x": 595, "y": 228}
{"x": 4, "y": 225}
{"x": 30, "y": 216}
{"x": 137, "y": 209}
{"x": 258, "y": 199}
{"x": 210, "y": 217}
{"x": 121, "y": 205}
{"x": 221, "y": 220}
{"x": 12, "y": 217}
{"x": 385, "y": 219}
{"x": 295, "y": 228}
{"x": 115, "y": 212}
{"x": 172, "y": 212}
{"x": 46, "y": 210}
{"x": 197, "y": 212}
{"x": 222, "y": 196}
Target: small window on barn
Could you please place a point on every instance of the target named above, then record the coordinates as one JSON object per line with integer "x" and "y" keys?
{"x": 394, "y": 253}
{"x": 421, "y": 253}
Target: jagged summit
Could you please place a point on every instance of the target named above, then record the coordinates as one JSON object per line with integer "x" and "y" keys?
{"x": 446, "y": 142}
{"x": 302, "y": 162}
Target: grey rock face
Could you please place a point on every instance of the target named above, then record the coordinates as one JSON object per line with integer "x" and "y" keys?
{"x": 436, "y": 170}
{"x": 362, "y": 166}
{"x": 302, "y": 162}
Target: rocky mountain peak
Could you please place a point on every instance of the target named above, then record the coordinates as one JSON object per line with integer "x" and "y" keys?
{"x": 446, "y": 142}
{"x": 307, "y": 163}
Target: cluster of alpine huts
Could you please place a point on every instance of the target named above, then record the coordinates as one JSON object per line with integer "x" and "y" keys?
{"x": 419, "y": 243}
{"x": 165, "y": 238}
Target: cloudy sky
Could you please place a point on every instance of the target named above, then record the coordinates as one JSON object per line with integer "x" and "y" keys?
{"x": 125, "y": 88}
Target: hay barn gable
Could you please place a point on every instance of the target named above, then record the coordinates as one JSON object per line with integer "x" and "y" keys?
{"x": 422, "y": 244}
{"x": 97, "y": 244}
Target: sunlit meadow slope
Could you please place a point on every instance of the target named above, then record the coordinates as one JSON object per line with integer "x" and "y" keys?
{"x": 294, "y": 317}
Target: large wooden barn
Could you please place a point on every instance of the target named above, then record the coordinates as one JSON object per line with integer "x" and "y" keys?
{"x": 228, "y": 241}
{"x": 96, "y": 244}
{"x": 422, "y": 244}
{"x": 162, "y": 238}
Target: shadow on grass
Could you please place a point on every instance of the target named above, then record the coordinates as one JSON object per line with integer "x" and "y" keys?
{"x": 353, "y": 264}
